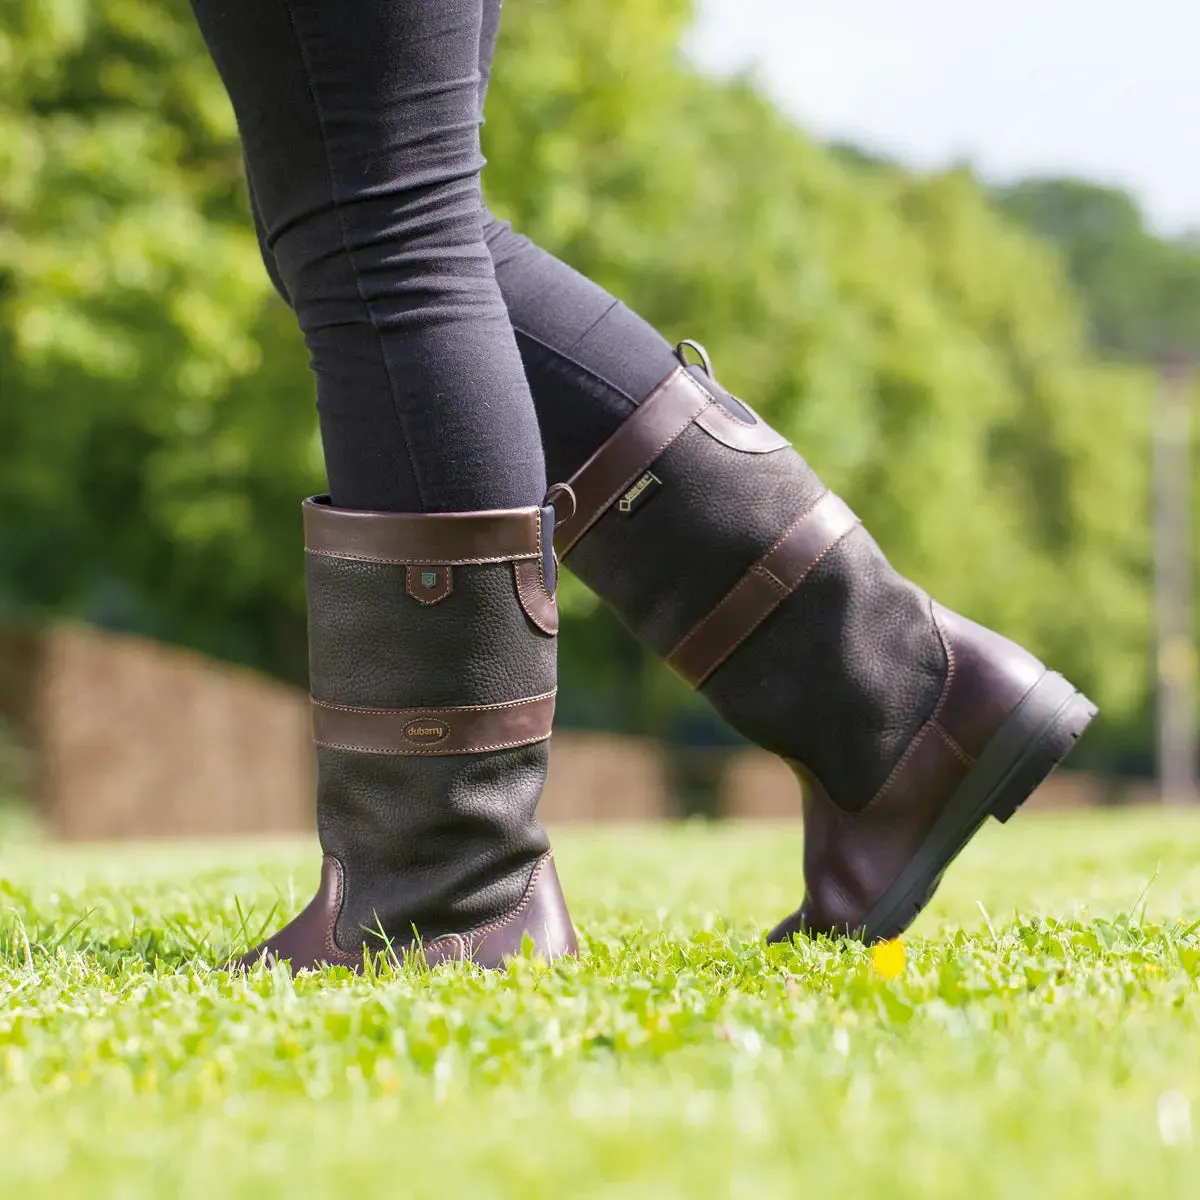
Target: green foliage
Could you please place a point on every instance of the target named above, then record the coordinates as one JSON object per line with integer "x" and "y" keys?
{"x": 1142, "y": 292}
{"x": 1052, "y": 1050}
{"x": 157, "y": 420}
{"x": 926, "y": 354}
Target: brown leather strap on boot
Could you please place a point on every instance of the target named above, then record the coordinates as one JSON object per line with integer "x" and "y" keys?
{"x": 620, "y": 463}
{"x": 762, "y": 589}
{"x": 431, "y": 546}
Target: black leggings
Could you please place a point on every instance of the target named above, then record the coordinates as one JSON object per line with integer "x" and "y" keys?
{"x": 428, "y": 322}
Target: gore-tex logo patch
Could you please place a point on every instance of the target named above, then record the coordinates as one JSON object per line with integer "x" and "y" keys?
{"x": 642, "y": 490}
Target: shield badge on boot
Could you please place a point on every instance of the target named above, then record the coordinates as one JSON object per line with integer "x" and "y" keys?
{"x": 428, "y": 585}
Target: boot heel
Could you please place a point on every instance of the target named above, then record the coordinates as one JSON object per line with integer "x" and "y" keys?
{"x": 1027, "y": 747}
{"x": 1065, "y": 727}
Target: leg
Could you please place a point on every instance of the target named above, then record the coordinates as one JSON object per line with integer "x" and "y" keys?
{"x": 588, "y": 357}
{"x": 432, "y": 651}
{"x": 360, "y": 129}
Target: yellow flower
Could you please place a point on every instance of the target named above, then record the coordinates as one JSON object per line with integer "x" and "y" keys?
{"x": 888, "y": 958}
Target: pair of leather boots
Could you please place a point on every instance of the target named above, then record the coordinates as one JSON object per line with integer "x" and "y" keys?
{"x": 433, "y": 666}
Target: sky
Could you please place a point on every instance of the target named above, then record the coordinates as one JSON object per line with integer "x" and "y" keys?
{"x": 1106, "y": 89}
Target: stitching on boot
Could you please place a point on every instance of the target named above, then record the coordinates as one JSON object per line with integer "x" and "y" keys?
{"x": 529, "y": 605}
{"x": 541, "y": 556}
{"x": 722, "y": 409}
{"x": 498, "y": 922}
{"x": 428, "y": 601}
{"x": 656, "y": 454}
{"x": 351, "y": 708}
{"x": 744, "y": 582}
{"x": 951, "y": 745}
{"x": 765, "y": 574}
{"x": 786, "y": 592}
{"x": 431, "y": 712}
{"x": 601, "y": 509}
{"x": 416, "y": 562}
{"x": 931, "y": 722}
{"x": 695, "y": 629}
{"x": 541, "y": 737}
{"x": 771, "y": 577}
{"x": 336, "y": 955}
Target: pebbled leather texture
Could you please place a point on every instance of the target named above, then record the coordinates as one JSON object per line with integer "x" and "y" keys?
{"x": 850, "y": 859}
{"x": 879, "y": 699}
{"x": 445, "y": 655}
{"x": 425, "y": 841}
{"x": 842, "y": 675}
{"x": 307, "y": 942}
{"x": 717, "y": 512}
{"x": 762, "y": 589}
{"x": 685, "y": 396}
{"x": 439, "y": 843}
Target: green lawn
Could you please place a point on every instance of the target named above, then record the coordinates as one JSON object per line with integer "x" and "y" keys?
{"x": 1049, "y": 1047}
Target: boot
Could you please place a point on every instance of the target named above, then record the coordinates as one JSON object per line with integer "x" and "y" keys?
{"x": 907, "y": 725}
{"x": 432, "y": 658}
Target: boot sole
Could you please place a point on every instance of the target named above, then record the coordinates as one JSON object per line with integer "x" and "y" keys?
{"x": 1030, "y": 744}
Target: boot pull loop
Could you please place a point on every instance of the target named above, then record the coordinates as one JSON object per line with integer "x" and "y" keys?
{"x": 705, "y": 361}
{"x": 561, "y": 491}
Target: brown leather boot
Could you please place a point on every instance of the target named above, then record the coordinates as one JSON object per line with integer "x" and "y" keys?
{"x": 432, "y": 658}
{"x": 725, "y": 554}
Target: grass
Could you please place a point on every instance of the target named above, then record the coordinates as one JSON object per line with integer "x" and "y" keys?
{"x": 1041, "y": 1039}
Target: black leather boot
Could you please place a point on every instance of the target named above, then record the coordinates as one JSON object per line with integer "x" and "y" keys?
{"x": 432, "y": 658}
{"x": 725, "y": 554}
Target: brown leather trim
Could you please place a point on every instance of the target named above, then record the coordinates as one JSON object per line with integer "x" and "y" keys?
{"x": 537, "y": 602}
{"x": 750, "y": 437}
{"x": 641, "y": 440}
{"x": 308, "y": 941}
{"x": 762, "y": 589}
{"x": 444, "y": 539}
{"x": 433, "y": 731}
{"x": 635, "y": 445}
{"x": 541, "y": 913}
{"x": 428, "y": 584}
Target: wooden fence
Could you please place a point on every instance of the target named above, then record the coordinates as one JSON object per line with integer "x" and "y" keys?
{"x": 129, "y": 738}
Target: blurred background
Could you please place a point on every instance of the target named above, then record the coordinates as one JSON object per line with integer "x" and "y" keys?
{"x": 954, "y": 255}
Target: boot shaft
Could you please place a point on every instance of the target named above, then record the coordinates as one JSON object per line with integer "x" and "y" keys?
{"x": 724, "y": 553}
{"x": 433, "y": 676}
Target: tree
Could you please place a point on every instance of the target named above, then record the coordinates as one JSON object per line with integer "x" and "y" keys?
{"x": 1142, "y": 291}
{"x": 926, "y": 353}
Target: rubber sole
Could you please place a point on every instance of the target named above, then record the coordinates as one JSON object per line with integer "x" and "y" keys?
{"x": 1037, "y": 736}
